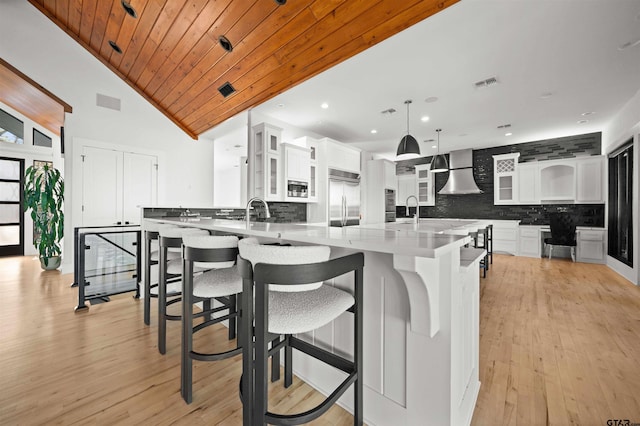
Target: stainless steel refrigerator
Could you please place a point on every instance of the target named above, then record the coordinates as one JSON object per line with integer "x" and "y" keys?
{"x": 344, "y": 198}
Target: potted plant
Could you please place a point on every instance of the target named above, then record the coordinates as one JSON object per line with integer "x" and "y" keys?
{"x": 44, "y": 195}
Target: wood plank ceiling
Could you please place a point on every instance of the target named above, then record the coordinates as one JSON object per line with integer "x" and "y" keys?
{"x": 29, "y": 98}
{"x": 172, "y": 56}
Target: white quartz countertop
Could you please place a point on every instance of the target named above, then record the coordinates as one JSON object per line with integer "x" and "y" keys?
{"x": 438, "y": 226}
{"x": 393, "y": 240}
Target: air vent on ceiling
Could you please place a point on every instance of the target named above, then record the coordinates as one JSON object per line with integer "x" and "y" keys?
{"x": 486, "y": 83}
{"x": 388, "y": 111}
{"x": 226, "y": 89}
{"x": 504, "y": 126}
{"x": 107, "y": 102}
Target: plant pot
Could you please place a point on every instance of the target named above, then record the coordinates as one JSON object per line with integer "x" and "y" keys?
{"x": 52, "y": 263}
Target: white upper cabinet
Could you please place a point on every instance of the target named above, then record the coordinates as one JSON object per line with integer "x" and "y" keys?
{"x": 528, "y": 185}
{"x": 342, "y": 157}
{"x": 557, "y": 180}
{"x": 590, "y": 174}
{"x": 425, "y": 181}
{"x": 505, "y": 178}
{"x": 266, "y": 162}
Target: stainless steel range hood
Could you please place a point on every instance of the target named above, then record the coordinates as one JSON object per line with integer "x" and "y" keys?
{"x": 461, "y": 179}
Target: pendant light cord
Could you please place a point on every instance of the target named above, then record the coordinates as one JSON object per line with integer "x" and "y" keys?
{"x": 408, "y": 102}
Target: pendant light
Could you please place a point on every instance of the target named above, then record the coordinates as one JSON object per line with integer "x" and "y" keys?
{"x": 439, "y": 163}
{"x": 408, "y": 147}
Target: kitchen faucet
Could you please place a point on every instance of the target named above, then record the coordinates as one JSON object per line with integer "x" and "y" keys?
{"x": 266, "y": 208}
{"x": 415, "y": 216}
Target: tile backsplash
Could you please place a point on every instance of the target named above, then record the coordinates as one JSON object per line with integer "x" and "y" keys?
{"x": 480, "y": 206}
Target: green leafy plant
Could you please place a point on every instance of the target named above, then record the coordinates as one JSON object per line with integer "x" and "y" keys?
{"x": 44, "y": 195}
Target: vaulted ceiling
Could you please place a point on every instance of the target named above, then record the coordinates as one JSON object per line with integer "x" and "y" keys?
{"x": 172, "y": 54}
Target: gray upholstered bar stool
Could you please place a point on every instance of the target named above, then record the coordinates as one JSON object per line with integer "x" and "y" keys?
{"x": 169, "y": 287}
{"x": 291, "y": 298}
{"x": 220, "y": 283}
{"x": 151, "y": 252}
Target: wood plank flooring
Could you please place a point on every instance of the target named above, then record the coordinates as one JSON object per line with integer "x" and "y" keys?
{"x": 560, "y": 345}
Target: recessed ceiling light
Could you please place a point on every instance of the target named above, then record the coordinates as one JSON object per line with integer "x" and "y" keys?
{"x": 431, "y": 99}
{"x": 434, "y": 146}
{"x": 546, "y": 95}
{"x": 583, "y": 121}
{"x": 225, "y": 43}
{"x": 281, "y": 2}
{"x": 374, "y": 131}
{"x": 115, "y": 46}
{"x": 424, "y": 118}
{"x": 508, "y": 134}
{"x": 584, "y": 114}
{"x": 129, "y": 9}
{"x": 280, "y": 105}
{"x": 324, "y": 105}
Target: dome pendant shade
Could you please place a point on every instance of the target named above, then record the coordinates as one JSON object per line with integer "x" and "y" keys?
{"x": 439, "y": 164}
{"x": 408, "y": 148}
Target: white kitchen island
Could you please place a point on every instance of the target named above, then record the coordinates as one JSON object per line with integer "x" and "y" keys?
{"x": 421, "y": 313}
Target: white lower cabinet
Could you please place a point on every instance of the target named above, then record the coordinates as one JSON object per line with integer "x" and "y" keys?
{"x": 505, "y": 236}
{"x": 591, "y": 245}
{"x": 529, "y": 243}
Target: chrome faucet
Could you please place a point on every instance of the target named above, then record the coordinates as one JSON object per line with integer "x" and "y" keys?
{"x": 415, "y": 216}
{"x": 266, "y": 208}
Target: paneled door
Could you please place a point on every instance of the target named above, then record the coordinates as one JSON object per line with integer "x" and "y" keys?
{"x": 11, "y": 216}
{"x": 115, "y": 184}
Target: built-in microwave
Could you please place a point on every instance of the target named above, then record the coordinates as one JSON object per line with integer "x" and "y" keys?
{"x": 297, "y": 189}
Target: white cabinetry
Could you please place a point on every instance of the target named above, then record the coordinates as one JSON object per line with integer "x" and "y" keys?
{"x": 505, "y": 178}
{"x": 557, "y": 180}
{"x": 406, "y": 187}
{"x": 266, "y": 162}
{"x": 297, "y": 173}
{"x": 505, "y": 236}
{"x": 590, "y": 173}
{"x": 528, "y": 185}
{"x": 591, "y": 244}
{"x": 426, "y": 185}
{"x": 529, "y": 243}
{"x": 342, "y": 157}
{"x": 380, "y": 181}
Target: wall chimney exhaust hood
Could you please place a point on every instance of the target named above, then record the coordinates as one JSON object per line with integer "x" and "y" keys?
{"x": 461, "y": 179}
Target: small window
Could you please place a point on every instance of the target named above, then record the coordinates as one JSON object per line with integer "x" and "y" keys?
{"x": 11, "y": 129}
{"x": 40, "y": 139}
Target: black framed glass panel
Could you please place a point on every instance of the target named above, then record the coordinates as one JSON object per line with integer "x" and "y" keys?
{"x": 620, "y": 205}
{"x": 11, "y": 217}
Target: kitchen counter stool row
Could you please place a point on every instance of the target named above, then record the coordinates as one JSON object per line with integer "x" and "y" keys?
{"x": 268, "y": 294}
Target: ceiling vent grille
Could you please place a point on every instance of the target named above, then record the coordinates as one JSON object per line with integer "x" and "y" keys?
{"x": 226, "y": 89}
{"x": 504, "y": 126}
{"x": 388, "y": 111}
{"x": 486, "y": 83}
{"x": 105, "y": 101}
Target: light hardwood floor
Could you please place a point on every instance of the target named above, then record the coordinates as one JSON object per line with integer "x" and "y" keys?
{"x": 560, "y": 344}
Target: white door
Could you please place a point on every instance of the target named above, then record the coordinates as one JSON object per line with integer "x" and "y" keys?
{"x": 115, "y": 184}
{"x": 140, "y": 185}
{"x": 101, "y": 186}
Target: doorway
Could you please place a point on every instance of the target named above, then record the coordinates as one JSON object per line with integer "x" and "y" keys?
{"x": 11, "y": 216}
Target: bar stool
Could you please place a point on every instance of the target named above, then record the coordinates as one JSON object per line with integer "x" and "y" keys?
{"x": 489, "y": 247}
{"x": 169, "y": 286}
{"x": 480, "y": 241}
{"x": 222, "y": 283}
{"x": 296, "y": 301}
{"x": 151, "y": 234}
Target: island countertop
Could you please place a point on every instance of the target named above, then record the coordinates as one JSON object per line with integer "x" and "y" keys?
{"x": 381, "y": 239}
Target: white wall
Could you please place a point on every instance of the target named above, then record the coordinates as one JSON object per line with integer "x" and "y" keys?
{"x": 625, "y": 126}
{"x": 227, "y": 191}
{"x": 38, "y": 48}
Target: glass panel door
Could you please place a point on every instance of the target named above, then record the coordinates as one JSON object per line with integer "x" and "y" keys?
{"x": 11, "y": 217}
{"x": 620, "y": 206}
